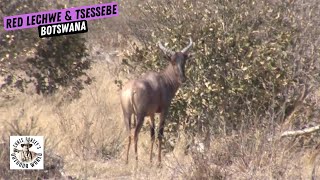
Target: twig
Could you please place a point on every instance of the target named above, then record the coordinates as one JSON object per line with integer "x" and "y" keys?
{"x": 301, "y": 132}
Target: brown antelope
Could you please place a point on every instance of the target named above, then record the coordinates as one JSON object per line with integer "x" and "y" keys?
{"x": 153, "y": 93}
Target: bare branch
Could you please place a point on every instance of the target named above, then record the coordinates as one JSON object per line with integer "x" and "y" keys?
{"x": 301, "y": 132}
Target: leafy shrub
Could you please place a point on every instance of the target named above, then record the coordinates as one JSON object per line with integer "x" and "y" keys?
{"x": 251, "y": 59}
{"x": 47, "y": 63}
{"x": 60, "y": 61}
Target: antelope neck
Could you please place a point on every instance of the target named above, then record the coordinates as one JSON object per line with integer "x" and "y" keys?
{"x": 170, "y": 79}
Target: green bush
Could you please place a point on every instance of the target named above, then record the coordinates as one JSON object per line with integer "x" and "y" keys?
{"x": 50, "y": 64}
{"x": 60, "y": 62}
{"x": 250, "y": 59}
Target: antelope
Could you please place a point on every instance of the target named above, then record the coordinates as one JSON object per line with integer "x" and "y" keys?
{"x": 152, "y": 93}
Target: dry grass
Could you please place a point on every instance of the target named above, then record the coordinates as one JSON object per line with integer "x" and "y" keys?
{"x": 89, "y": 135}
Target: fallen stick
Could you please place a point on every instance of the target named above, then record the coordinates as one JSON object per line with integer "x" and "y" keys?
{"x": 301, "y": 132}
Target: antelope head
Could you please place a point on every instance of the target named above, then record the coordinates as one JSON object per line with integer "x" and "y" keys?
{"x": 177, "y": 60}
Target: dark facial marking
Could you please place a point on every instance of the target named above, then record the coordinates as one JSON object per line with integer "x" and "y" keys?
{"x": 178, "y": 60}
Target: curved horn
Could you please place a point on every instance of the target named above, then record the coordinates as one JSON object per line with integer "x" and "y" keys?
{"x": 165, "y": 50}
{"x": 187, "y": 48}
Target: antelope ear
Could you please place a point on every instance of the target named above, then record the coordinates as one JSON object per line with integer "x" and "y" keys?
{"x": 167, "y": 57}
{"x": 172, "y": 59}
{"x": 188, "y": 55}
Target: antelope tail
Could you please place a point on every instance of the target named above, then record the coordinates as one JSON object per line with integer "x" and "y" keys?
{"x": 134, "y": 108}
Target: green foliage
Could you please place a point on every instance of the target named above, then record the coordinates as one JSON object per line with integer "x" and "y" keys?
{"x": 20, "y": 42}
{"x": 250, "y": 58}
{"x": 47, "y": 63}
{"x": 60, "y": 62}
{"x": 16, "y": 44}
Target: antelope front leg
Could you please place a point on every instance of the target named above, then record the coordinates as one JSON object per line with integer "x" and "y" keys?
{"x": 134, "y": 121}
{"x": 127, "y": 120}
{"x": 160, "y": 133}
{"x": 137, "y": 129}
{"x": 152, "y": 133}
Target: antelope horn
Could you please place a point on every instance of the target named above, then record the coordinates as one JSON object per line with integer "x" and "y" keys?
{"x": 187, "y": 48}
{"x": 165, "y": 50}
